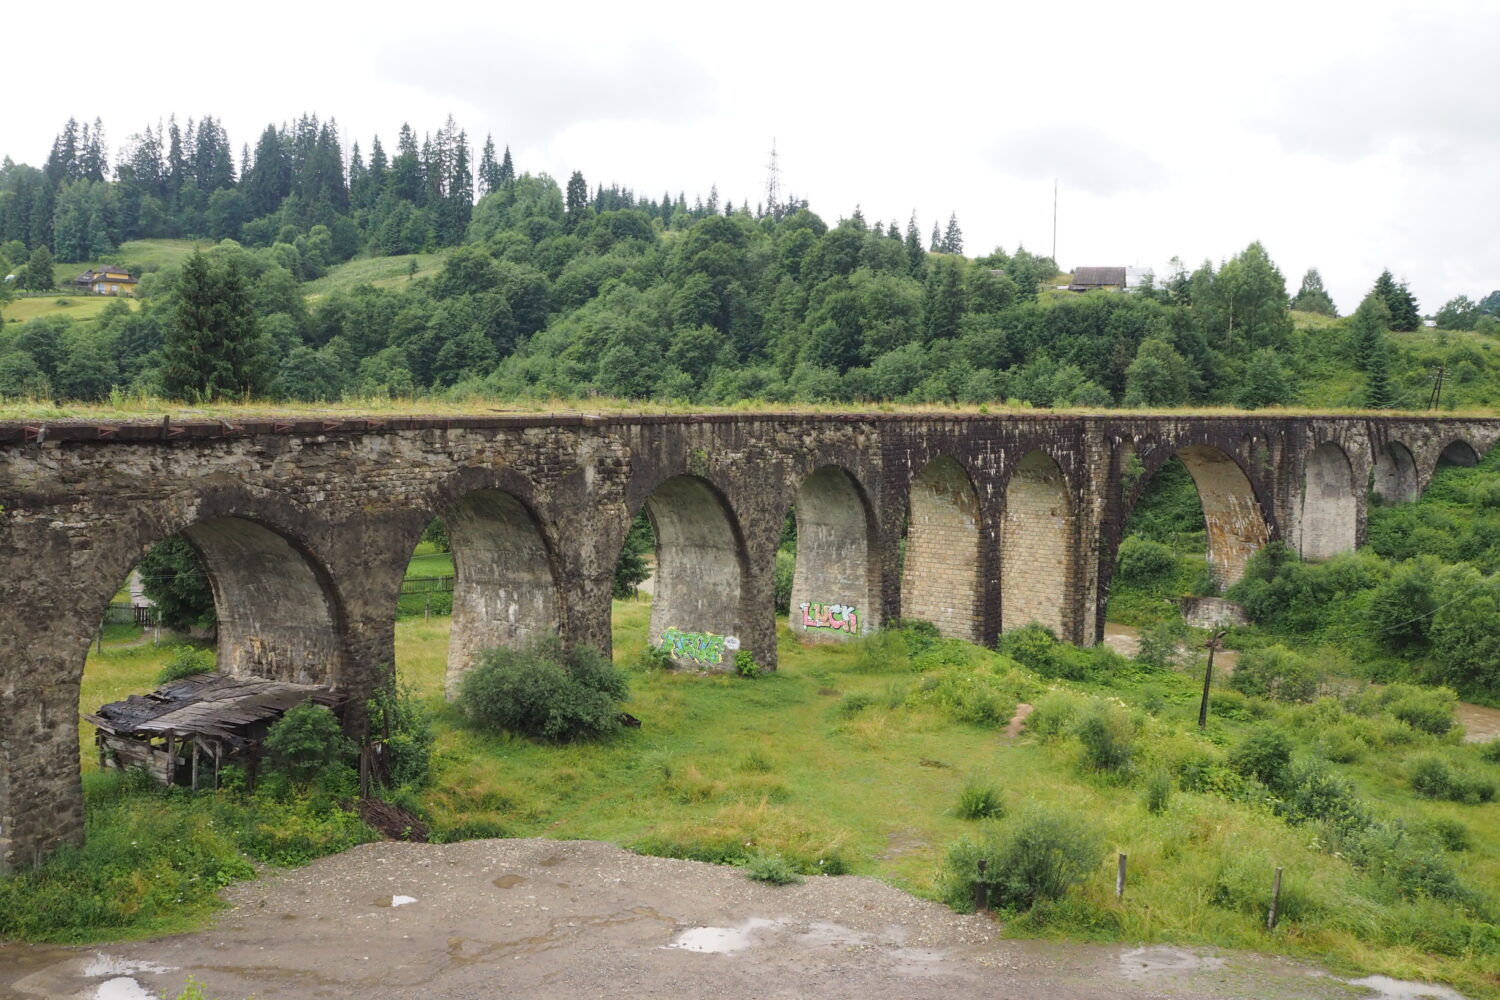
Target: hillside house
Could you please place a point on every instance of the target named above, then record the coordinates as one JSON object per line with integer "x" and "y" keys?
{"x": 107, "y": 281}
{"x": 1086, "y": 279}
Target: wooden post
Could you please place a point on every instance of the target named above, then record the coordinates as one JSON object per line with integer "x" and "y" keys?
{"x": 171, "y": 762}
{"x": 217, "y": 748}
{"x": 981, "y": 890}
{"x": 1120, "y": 879}
{"x": 193, "y": 747}
{"x": 1275, "y": 901}
{"x": 99, "y": 639}
{"x": 1208, "y": 676}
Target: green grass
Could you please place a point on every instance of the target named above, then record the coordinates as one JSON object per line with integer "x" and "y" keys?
{"x": 732, "y": 770}
{"x": 148, "y": 255}
{"x": 382, "y": 272}
{"x": 79, "y": 308}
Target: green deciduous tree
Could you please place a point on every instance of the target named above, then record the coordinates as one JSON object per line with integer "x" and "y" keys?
{"x": 174, "y": 579}
{"x": 1159, "y": 376}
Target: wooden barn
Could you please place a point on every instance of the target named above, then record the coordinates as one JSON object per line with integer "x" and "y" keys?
{"x": 185, "y": 731}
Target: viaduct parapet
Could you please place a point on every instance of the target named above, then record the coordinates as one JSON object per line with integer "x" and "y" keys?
{"x": 306, "y": 528}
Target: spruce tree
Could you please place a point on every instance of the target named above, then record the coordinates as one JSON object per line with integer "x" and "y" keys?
{"x": 507, "y": 175}
{"x": 577, "y": 199}
{"x": 935, "y": 245}
{"x": 1399, "y": 300}
{"x": 916, "y": 257}
{"x": 489, "y": 170}
{"x": 1312, "y": 297}
{"x": 212, "y": 349}
{"x": 953, "y": 237}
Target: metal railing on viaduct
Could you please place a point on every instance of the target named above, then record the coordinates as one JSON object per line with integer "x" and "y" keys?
{"x": 306, "y": 527}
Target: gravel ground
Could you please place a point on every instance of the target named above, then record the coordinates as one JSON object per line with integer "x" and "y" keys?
{"x": 541, "y": 918}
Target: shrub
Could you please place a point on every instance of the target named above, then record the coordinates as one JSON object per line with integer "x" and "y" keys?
{"x": 745, "y": 665}
{"x": 653, "y": 658}
{"x": 1314, "y": 793}
{"x": 1451, "y": 834}
{"x": 968, "y": 696}
{"x": 306, "y": 744}
{"x": 187, "y": 661}
{"x": 403, "y": 724}
{"x": 1158, "y": 791}
{"x": 772, "y": 869}
{"x": 545, "y": 691}
{"x": 1390, "y": 853}
{"x": 1108, "y": 739}
{"x": 1038, "y": 856}
{"x": 1428, "y": 710}
{"x": 786, "y": 568}
{"x": 852, "y": 704}
{"x": 1053, "y": 714}
{"x": 1264, "y": 755}
{"x": 1161, "y": 644}
{"x": 882, "y": 651}
{"x": 1275, "y": 672}
{"x": 979, "y": 800}
{"x": 1490, "y": 751}
{"x": 1143, "y": 561}
{"x": 1434, "y": 777}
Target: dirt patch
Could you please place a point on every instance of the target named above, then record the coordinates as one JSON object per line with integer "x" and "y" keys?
{"x": 1017, "y": 721}
{"x": 437, "y": 921}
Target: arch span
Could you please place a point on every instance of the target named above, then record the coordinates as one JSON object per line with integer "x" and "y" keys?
{"x": 505, "y": 584}
{"x": 1460, "y": 453}
{"x": 836, "y": 585}
{"x": 1330, "y": 508}
{"x": 1394, "y": 476}
{"x": 277, "y": 617}
{"x": 1232, "y": 515}
{"x": 940, "y": 581}
{"x": 1037, "y": 578}
{"x": 697, "y": 613}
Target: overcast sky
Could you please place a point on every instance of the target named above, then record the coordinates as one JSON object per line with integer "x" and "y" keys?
{"x": 1346, "y": 136}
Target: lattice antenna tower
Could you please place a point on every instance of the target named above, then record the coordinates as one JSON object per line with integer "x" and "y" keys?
{"x": 773, "y": 185}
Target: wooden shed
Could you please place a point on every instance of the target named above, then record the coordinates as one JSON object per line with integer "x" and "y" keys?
{"x": 1086, "y": 279}
{"x": 185, "y": 731}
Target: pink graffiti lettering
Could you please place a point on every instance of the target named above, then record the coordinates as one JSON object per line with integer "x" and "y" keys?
{"x": 837, "y": 617}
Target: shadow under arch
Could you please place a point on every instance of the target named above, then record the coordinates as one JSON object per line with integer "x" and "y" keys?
{"x": 1037, "y": 578}
{"x": 940, "y": 581}
{"x": 505, "y": 577}
{"x": 697, "y": 611}
{"x": 1330, "y": 508}
{"x": 1393, "y": 476}
{"x": 836, "y": 583}
{"x": 1458, "y": 452}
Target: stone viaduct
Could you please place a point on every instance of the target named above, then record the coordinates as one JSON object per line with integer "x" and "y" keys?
{"x": 306, "y": 528}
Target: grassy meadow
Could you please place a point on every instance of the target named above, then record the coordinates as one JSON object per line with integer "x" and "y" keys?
{"x": 851, "y": 758}
{"x": 382, "y": 272}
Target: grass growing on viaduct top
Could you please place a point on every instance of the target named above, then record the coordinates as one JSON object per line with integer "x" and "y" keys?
{"x": 146, "y": 409}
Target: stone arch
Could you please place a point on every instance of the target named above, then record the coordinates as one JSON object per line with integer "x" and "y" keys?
{"x": 940, "y": 581}
{"x": 1394, "y": 475}
{"x": 1037, "y": 578}
{"x": 1330, "y": 506}
{"x": 697, "y": 611}
{"x": 836, "y": 585}
{"x": 1236, "y": 526}
{"x": 505, "y": 579}
{"x": 277, "y": 614}
{"x": 1460, "y": 453}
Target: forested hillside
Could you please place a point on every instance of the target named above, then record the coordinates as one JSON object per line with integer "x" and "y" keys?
{"x": 383, "y": 276}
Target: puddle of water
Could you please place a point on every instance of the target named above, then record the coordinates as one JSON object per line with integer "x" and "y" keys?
{"x": 123, "y": 988}
{"x": 108, "y": 965}
{"x": 402, "y": 900}
{"x": 1387, "y": 988}
{"x": 1138, "y": 964}
{"x": 509, "y": 881}
{"x": 551, "y": 862}
{"x": 720, "y": 940}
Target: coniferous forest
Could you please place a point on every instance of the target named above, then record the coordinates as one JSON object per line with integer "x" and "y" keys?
{"x": 514, "y": 285}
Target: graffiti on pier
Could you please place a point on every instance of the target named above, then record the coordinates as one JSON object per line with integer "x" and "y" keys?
{"x": 839, "y": 617}
{"x": 701, "y": 647}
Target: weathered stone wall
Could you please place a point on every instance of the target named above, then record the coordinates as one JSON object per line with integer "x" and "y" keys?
{"x": 941, "y": 582}
{"x": 835, "y": 586}
{"x": 307, "y": 527}
{"x": 1036, "y": 566}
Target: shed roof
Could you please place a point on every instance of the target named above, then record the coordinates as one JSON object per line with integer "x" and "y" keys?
{"x": 1099, "y": 276}
{"x": 211, "y": 704}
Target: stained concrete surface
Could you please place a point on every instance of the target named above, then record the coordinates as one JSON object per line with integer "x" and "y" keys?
{"x": 537, "y": 918}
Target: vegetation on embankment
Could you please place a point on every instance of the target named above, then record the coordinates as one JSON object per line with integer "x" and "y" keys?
{"x": 854, "y": 758}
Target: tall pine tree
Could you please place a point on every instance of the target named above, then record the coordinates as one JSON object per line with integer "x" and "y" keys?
{"x": 213, "y": 348}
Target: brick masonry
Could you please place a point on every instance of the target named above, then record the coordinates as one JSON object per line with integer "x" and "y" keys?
{"x": 306, "y": 527}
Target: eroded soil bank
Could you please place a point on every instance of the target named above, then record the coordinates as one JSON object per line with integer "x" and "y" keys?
{"x": 540, "y": 918}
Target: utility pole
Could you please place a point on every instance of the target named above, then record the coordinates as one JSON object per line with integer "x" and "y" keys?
{"x": 1208, "y": 676}
{"x": 1054, "y": 220}
{"x": 1436, "y": 395}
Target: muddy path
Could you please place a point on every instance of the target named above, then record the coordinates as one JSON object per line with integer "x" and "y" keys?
{"x": 537, "y": 918}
